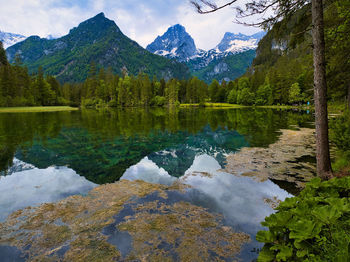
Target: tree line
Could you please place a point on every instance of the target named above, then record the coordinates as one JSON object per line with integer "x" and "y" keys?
{"x": 101, "y": 88}
{"x": 19, "y": 88}
{"x": 104, "y": 88}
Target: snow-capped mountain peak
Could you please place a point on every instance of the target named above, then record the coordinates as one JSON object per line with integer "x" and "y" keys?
{"x": 235, "y": 43}
{"x": 177, "y": 43}
{"x": 230, "y": 44}
{"x": 9, "y": 39}
{"x": 174, "y": 43}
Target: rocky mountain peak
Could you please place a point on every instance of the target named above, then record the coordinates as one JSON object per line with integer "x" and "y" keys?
{"x": 96, "y": 25}
{"x": 236, "y": 43}
{"x": 174, "y": 43}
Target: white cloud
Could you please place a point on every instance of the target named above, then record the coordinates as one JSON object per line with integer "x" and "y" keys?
{"x": 140, "y": 20}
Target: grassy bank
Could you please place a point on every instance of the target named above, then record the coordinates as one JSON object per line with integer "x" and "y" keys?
{"x": 36, "y": 109}
{"x": 303, "y": 107}
{"x": 335, "y": 108}
{"x": 226, "y": 105}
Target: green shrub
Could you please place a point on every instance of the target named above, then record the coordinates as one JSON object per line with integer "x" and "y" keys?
{"x": 62, "y": 101}
{"x": 113, "y": 103}
{"x": 158, "y": 101}
{"x": 340, "y": 137}
{"x": 340, "y": 132}
{"x": 314, "y": 226}
{"x": 245, "y": 97}
{"x": 89, "y": 103}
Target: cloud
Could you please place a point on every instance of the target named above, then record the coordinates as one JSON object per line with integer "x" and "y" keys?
{"x": 140, "y": 20}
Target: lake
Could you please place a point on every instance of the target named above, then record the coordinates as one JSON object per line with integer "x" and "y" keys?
{"x": 47, "y": 157}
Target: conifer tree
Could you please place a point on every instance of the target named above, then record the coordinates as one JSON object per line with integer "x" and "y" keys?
{"x": 214, "y": 90}
{"x": 3, "y": 57}
{"x": 284, "y": 9}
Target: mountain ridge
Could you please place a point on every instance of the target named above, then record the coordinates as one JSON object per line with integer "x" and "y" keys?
{"x": 95, "y": 40}
{"x": 227, "y": 61}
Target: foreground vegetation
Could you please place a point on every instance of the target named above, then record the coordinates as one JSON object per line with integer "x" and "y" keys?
{"x": 313, "y": 226}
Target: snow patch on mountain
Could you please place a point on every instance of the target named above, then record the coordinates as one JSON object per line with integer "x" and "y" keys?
{"x": 178, "y": 44}
{"x": 174, "y": 43}
{"x": 9, "y": 39}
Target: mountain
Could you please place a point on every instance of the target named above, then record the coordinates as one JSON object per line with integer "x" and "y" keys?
{"x": 9, "y": 39}
{"x": 236, "y": 43}
{"x": 227, "y": 61}
{"x": 174, "y": 43}
{"x": 96, "y": 40}
{"x": 228, "y": 67}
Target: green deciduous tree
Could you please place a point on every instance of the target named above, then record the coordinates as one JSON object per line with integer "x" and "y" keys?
{"x": 264, "y": 95}
{"x": 295, "y": 93}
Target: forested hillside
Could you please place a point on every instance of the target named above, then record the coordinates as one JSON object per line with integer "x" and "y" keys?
{"x": 282, "y": 72}
{"x": 97, "y": 40}
{"x": 227, "y": 67}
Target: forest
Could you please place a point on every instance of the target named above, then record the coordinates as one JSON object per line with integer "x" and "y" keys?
{"x": 281, "y": 74}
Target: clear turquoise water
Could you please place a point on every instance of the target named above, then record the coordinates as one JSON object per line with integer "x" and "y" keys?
{"x": 101, "y": 145}
{"x": 45, "y": 157}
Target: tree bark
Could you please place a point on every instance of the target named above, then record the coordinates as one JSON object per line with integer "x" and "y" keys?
{"x": 349, "y": 96}
{"x": 324, "y": 169}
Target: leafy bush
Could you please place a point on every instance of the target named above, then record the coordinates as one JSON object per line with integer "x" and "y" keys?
{"x": 89, "y": 103}
{"x": 245, "y": 97}
{"x": 62, "y": 101}
{"x": 158, "y": 101}
{"x": 340, "y": 136}
{"x": 314, "y": 226}
{"x": 113, "y": 103}
{"x": 340, "y": 132}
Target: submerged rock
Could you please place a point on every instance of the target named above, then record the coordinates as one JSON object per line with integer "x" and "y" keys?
{"x": 290, "y": 159}
{"x": 162, "y": 229}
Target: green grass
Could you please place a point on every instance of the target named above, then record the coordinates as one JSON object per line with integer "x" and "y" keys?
{"x": 311, "y": 107}
{"x": 36, "y": 109}
{"x": 226, "y": 105}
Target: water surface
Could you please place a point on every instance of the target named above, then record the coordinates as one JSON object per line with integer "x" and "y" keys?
{"x": 45, "y": 157}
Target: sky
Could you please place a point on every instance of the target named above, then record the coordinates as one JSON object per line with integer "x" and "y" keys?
{"x": 140, "y": 20}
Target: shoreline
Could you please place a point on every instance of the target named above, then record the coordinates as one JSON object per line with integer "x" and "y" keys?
{"x": 36, "y": 109}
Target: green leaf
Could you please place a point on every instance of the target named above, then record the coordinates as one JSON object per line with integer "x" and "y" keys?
{"x": 265, "y": 236}
{"x": 285, "y": 253}
{"x": 328, "y": 214}
{"x": 302, "y": 230}
{"x": 301, "y": 253}
{"x": 266, "y": 255}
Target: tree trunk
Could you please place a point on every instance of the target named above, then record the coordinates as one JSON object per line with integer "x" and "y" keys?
{"x": 324, "y": 169}
{"x": 349, "y": 96}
